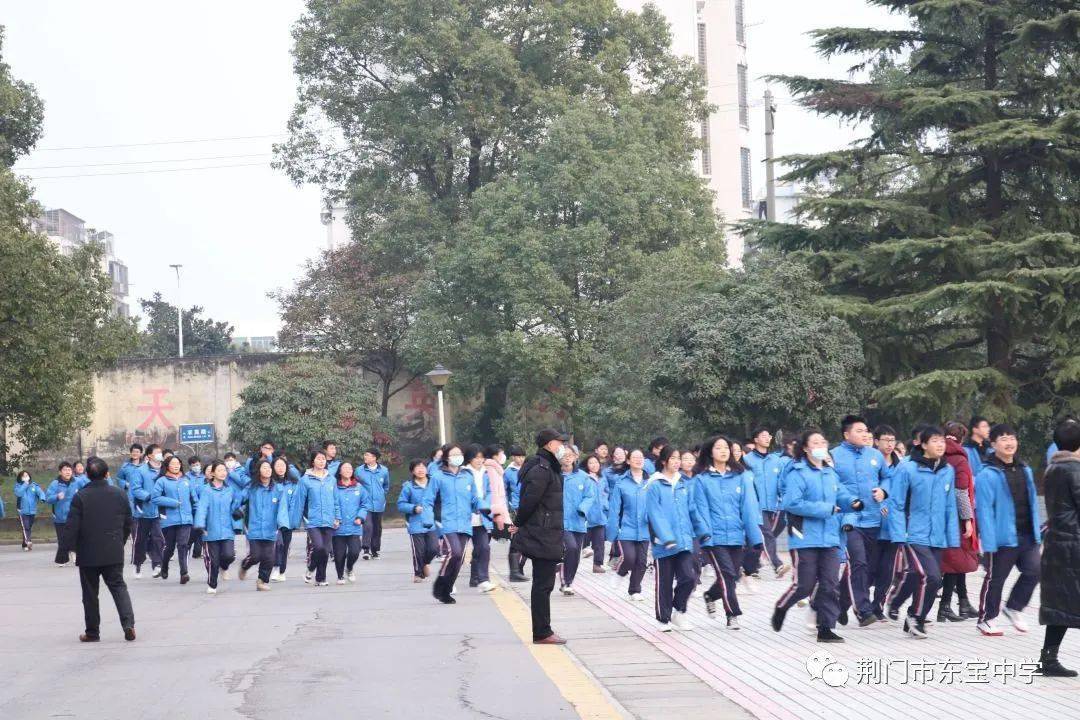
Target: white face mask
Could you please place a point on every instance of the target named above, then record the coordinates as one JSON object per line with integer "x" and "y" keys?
{"x": 561, "y": 452}
{"x": 819, "y": 453}
{"x": 231, "y": 464}
{"x": 158, "y": 457}
{"x": 456, "y": 460}
{"x": 196, "y": 469}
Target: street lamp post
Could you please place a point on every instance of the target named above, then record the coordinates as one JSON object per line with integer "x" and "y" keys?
{"x": 439, "y": 377}
{"x": 179, "y": 312}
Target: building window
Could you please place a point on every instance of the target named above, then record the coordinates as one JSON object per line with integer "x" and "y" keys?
{"x": 744, "y": 102}
{"x": 702, "y": 55}
{"x": 706, "y": 150}
{"x": 740, "y": 21}
{"x": 744, "y": 157}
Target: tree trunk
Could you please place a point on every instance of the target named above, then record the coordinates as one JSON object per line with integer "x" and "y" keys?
{"x": 476, "y": 146}
{"x": 386, "y": 380}
{"x": 3, "y": 446}
{"x": 492, "y": 411}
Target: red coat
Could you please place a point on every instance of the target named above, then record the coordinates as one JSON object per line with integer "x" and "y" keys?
{"x": 965, "y": 558}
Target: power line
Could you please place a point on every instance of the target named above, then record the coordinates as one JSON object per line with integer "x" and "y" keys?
{"x": 145, "y": 162}
{"x": 149, "y": 172}
{"x": 160, "y": 142}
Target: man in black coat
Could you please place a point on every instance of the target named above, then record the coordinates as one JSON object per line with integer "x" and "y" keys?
{"x": 1059, "y": 602}
{"x": 98, "y": 526}
{"x": 538, "y": 528}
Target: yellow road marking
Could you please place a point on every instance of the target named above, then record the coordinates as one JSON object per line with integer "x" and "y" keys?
{"x": 578, "y": 688}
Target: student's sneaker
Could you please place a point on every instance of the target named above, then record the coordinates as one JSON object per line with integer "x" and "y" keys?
{"x": 211, "y": 591}
{"x": 599, "y": 569}
{"x": 156, "y": 573}
{"x": 164, "y": 573}
{"x": 275, "y": 576}
{"x": 309, "y": 577}
{"x": 260, "y": 585}
{"x": 322, "y": 584}
{"x": 778, "y": 616}
{"x": 242, "y": 573}
{"x": 185, "y": 579}
{"x": 988, "y": 629}
{"x": 29, "y": 546}
{"x": 826, "y": 635}
{"x": 374, "y": 555}
{"x": 351, "y": 577}
{"x": 225, "y": 575}
{"x": 710, "y": 606}
{"x": 366, "y": 555}
{"x": 64, "y": 565}
{"x": 880, "y": 616}
{"x": 26, "y": 548}
{"x": 914, "y": 628}
{"x": 894, "y": 614}
{"x": 733, "y": 623}
{"x": 635, "y": 597}
{"x": 666, "y": 627}
{"x": 476, "y": 583}
{"x": 811, "y": 619}
{"x": 137, "y": 575}
{"x": 453, "y": 589}
{"x": 1016, "y": 617}
{"x": 129, "y": 634}
{"x": 417, "y": 579}
{"x": 587, "y": 552}
{"x": 843, "y": 618}
{"x": 868, "y": 621}
{"x": 567, "y": 590}
{"x": 680, "y": 621}
{"x": 782, "y": 570}
{"x": 341, "y": 581}
{"x": 487, "y": 586}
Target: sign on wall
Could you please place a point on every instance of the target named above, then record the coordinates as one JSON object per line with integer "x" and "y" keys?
{"x": 196, "y": 434}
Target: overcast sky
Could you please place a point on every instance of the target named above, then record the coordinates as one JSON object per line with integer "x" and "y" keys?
{"x": 150, "y": 75}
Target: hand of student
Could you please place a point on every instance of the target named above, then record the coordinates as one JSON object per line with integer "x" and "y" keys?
{"x": 358, "y": 521}
{"x": 418, "y": 509}
{"x": 878, "y": 494}
{"x": 969, "y": 528}
{"x": 512, "y": 530}
{"x": 857, "y": 505}
{"x": 671, "y": 545}
{"x": 884, "y": 511}
{"x": 337, "y": 524}
{"x": 836, "y": 509}
{"x": 60, "y": 496}
{"x": 848, "y": 527}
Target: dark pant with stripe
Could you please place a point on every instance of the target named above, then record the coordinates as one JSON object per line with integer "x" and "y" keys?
{"x": 921, "y": 580}
{"x": 61, "y": 548}
{"x": 261, "y": 553}
{"x": 281, "y": 548}
{"x": 346, "y": 551}
{"x": 1025, "y": 558}
{"x": 320, "y": 540}
{"x": 456, "y": 544}
{"x": 870, "y": 566}
{"x": 573, "y": 542}
{"x": 595, "y": 540}
{"x": 725, "y": 560}
{"x": 773, "y": 524}
{"x": 817, "y": 570}
{"x": 177, "y": 540}
{"x": 896, "y": 559}
{"x": 373, "y": 532}
{"x": 196, "y": 542}
{"x": 113, "y": 575}
{"x": 147, "y": 536}
{"x": 633, "y": 557}
{"x": 217, "y": 555}
{"x": 674, "y": 584}
{"x": 26, "y": 522}
{"x": 425, "y": 547}
{"x": 480, "y": 564}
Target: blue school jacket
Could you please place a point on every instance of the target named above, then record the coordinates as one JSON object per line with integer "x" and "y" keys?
{"x": 922, "y": 506}
{"x": 513, "y": 486}
{"x": 127, "y": 474}
{"x": 173, "y": 498}
{"x": 290, "y": 498}
{"x": 811, "y": 496}
{"x": 766, "y": 470}
{"x": 598, "y": 511}
{"x": 861, "y": 469}
{"x": 353, "y": 502}
{"x": 672, "y": 517}
{"x": 457, "y": 493}
{"x": 626, "y": 510}
{"x": 142, "y": 491}
{"x": 611, "y": 476}
{"x": 995, "y": 511}
{"x": 411, "y": 497}
{"x": 377, "y": 483}
{"x": 729, "y": 505}
{"x": 484, "y": 501}
{"x": 213, "y": 513}
{"x": 578, "y": 494}
{"x": 27, "y": 496}
{"x": 265, "y": 510}
{"x": 317, "y": 499}
{"x": 60, "y": 507}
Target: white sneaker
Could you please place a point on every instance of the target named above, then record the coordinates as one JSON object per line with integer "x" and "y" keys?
{"x": 156, "y": 573}
{"x": 341, "y": 581}
{"x": 680, "y": 621}
{"x": 137, "y": 575}
{"x": 211, "y": 591}
{"x": 1016, "y": 617}
{"x": 309, "y": 577}
{"x": 733, "y": 623}
{"x": 274, "y": 575}
{"x": 321, "y": 584}
{"x": 783, "y": 570}
{"x": 224, "y": 575}
{"x": 352, "y": 577}
{"x": 64, "y": 565}
{"x": 486, "y": 586}
{"x": 567, "y": 590}
{"x": 453, "y": 589}
{"x": 587, "y": 552}
{"x": 280, "y": 578}
{"x": 638, "y": 597}
{"x": 666, "y": 627}
{"x": 811, "y": 618}
{"x": 987, "y": 628}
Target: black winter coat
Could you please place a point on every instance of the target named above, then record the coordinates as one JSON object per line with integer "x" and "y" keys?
{"x": 1060, "y": 601}
{"x": 98, "y": 525}
{"x": 539, "y": 516}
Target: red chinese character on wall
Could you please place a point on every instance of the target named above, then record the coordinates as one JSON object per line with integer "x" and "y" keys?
{"x": 155, "y": 408}
{"x": 420, "y": 400}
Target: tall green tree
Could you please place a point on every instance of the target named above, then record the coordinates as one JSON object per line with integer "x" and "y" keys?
{"x": 202, "y": 336}
{"x": 56, "y": 326}
{"x": 949, "y": 238}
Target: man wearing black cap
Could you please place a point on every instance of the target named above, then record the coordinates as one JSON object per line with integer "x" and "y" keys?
{"x": 538, "y": 528}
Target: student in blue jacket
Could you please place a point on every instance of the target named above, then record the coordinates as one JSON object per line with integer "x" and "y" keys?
{"x": 146, "y": 536}
{"x": 481, "y": 521}
{"x": 977, "y": 444}
{"x": 353, "y": 506}
{"x": 597, "y": 515}
{"x": 59, "y": 494}
{"x": 173, "y": 495}
{"x": 724, "y": 494}
{"x": 674, "y": 521}
{"x": 239, "y": 478}
{"x": 455, "y": 489}
{"x": 287, "y": 477}
{"x": 922, "y": 514}
{"x": 513, "y": 497}
{"x": 766, "y": 466}
{"x": 1010, "y": 531}
{"x": 627, "y": 527}
{"x": 616, "y": 468}
{"x": 333, "y": 461}
{"x": 218, "y": 506}
{"x": 129, "y": 471}
{"x": 197, "y": 479}
{"x": 376, "y": 480}
{"x": 316, "y": 496}
{"x": 815, "y": 500}
{"x": 579, "y": 495}
{"x": 27, "y": 495}
{"x": 264, "y": 512}
{"x": 419, "y": 520}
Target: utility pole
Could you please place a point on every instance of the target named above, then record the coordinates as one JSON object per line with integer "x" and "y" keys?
{"x": 179, "y": 312}
{"x": 770, "y": 179}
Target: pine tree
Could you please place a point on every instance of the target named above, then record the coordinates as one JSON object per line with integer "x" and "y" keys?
{"x": 949, "y": 235}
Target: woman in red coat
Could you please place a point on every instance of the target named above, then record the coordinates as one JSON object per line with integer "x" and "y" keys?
{"x": 957, "y": 562}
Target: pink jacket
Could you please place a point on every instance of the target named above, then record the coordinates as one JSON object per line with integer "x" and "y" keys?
{"x": 500, "y": 512}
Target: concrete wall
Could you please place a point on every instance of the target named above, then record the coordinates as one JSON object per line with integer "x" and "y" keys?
{"x": 146, "y": 400}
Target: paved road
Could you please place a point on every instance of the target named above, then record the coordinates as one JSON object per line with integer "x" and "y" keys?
{"x": 379, "y": 648}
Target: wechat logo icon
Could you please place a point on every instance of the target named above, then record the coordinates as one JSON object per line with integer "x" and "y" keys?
{"x": 823, "y": 666}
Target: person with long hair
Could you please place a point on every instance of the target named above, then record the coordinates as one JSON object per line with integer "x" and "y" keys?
{"x": 627, "y": 525}
{"x": 597, "y": 514}
{"x": 957, "y": 562}
{"x": 353, "y": 505}
{"x": 265, "y": 513}
{"x": 724, "y": 493}
{"x": 375, "y": 477}
{"x": 316, "y": 495}
{"x": 174, "y": 496}
{"x": 578, "y": 498}
{"x": 814, "y": 499}
{"x": 494, "y": 460}
{"x": 611, "y": 473}
{"x": 27, "y": 495}
{"x": 688, "y": 469}
{"x": 419, "y": 520}
{"x": 217, "y": 508}
{"x": 481, "y": 521}
{"x": 674, "y": 521}
{"x": 287, "y": 477}
{"x": 455, "y": 490}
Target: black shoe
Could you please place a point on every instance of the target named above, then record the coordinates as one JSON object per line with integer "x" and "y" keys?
{"x": 894, "y": 615}
{"x": 867, "y": 621}
{"x": 966, "y": 610}
{"x": 842, "y": 618}
{"x": 129, "y": 634}
{"x": 826, "y": 635}
{"x": 1049, "y": 665}
{"x": 374, "y": 555}
{"x": 914, "y": 628}
{"x": 446, "y": 599}
{"x": 86, "y": 637}
{"x": 164, "y": 574}
{"x": 778, "y": 619}
{"x": 518, "y": 577}
{"x": 946, "y": 614}
{"x": 475, "y": 583}
{"x": 184, "y": 579}
{"x": 880, "y": 616}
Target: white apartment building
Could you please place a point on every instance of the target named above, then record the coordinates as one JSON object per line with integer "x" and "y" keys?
{"x": 69, "y": 231}
{"x": 334, "y": 217}
{"x": 713, "y": 32}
